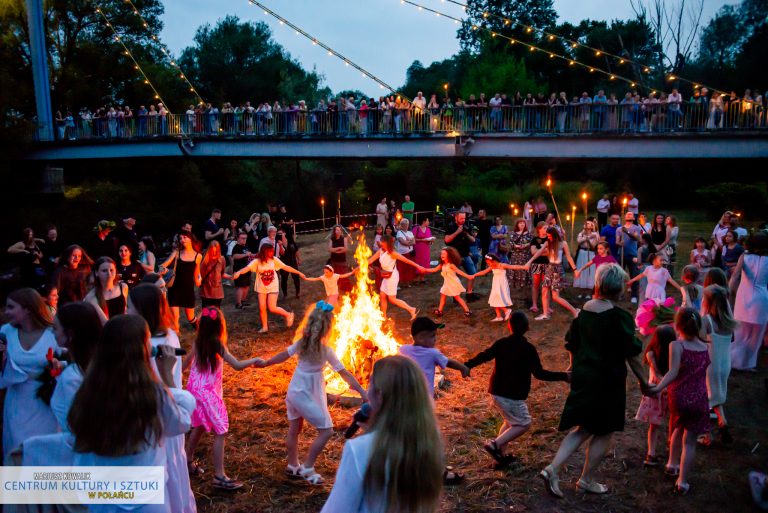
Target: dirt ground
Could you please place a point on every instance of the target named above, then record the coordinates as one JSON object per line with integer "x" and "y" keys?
{"x": 255, "y": 450}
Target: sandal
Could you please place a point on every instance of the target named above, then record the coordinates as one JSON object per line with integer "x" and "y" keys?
{"x": 651, "y": 461}
{"x": 468, "y": 314}
{"x": 451, "y": 477}
{"x": 225, "y": 483}
{"x": 438, "y": 313}
{"x": 591, "y": 487}
{"x": 673, "y": 470}
{"x": 310, "y": 476}
{"x": 681, "y": 489}
{"x": 551, "y": 482}
{"x": 194, "y": 469}
{"x": 292, "y": 471}
{"x": 493, "y": 449}
{"x": 497, "y": 319}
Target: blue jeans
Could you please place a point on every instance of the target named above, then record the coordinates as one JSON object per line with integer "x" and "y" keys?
{"x": 469, "y": 265}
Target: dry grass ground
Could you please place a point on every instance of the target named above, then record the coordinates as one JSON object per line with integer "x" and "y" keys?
{"x": 255, "y": 446}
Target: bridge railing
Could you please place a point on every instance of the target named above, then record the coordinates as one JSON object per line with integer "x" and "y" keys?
{"x": 586, "y": 118}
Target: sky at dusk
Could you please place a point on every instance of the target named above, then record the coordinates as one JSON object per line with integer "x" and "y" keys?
{"x": 381, "y": 36}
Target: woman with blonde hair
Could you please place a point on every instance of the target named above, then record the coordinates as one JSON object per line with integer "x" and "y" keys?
{"x": 397, "y": 466}
{"x": 25, "y": 342}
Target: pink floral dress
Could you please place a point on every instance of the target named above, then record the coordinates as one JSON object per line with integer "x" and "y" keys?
{"x": 206, "y": 386}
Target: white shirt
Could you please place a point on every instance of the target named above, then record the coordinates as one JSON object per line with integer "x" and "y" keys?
{"x": 401, "y": 238}
{"x": 331, "y": 284}
{"x": 633, "y": 206}
{"x": 603, "y": 205}
{"x": 419, "y": 103}
{"x": 328, "y": 356}
{"x": 495, "y": 102}
{"x": 347, "y": 493}
{"x": 719, "y": 232}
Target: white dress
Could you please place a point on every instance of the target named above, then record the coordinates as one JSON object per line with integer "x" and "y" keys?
{"x": 452, "y": 286}
{"x": 720, "y": 365}
{"x": 306, "y": 397}
{"x": 500, "y": 296}
{"x": 389, "y": 265}
{"x": 24, "y": 415}
{"x": 751, "y": 310}
{"x": 586, "y": 279}
{"x": 178, "y": 491}
{"x": 67, "y": 385}
{"x": 176, "y": 413}
{"x": 657, "y": 283}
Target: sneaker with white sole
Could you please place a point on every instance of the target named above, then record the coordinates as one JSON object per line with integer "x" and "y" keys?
{"x": 542, "y": 317}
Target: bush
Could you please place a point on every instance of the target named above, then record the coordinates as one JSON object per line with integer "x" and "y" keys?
{"x": 738, "y": 197}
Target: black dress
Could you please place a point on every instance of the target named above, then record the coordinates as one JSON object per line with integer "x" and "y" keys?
{"x": 116, "y": 305}
{"x": 182, "y": 294}
{"x": 339, "y": 263}
{"x": 600, "y": 344}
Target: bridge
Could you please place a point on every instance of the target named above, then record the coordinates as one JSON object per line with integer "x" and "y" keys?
{"x": 573, "y": 132}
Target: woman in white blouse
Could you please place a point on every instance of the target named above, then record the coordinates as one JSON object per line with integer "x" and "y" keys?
{"x": 401, "y": 452}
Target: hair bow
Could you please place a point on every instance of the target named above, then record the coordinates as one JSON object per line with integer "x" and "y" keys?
{"x": 211, "y": 313}
{"x": 325, "y": 307}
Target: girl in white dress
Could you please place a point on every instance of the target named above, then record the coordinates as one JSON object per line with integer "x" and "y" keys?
{"x": 719, "y": 325}
{"x": 400, "y": 452}
{"x": 500, "y": 298}
{"x": 267, "y": 286}
{"x": 149, "y": 302}
{"x": 306, "y": 398}
{"x": 450, "y": 270}
{"x": 134, "y": 425}
{"x": 749, "y": 280}
{"x": 388, "y": 258}
{"x": 24, "y": 346}
{"x": 330, "y": 281}
{"x": 658, "y": 276}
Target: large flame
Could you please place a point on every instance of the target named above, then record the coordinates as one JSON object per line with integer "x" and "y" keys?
{"x": 359, "y": 336}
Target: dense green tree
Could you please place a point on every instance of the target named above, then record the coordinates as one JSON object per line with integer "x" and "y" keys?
{"x": 504, "y": 17}
{"x": 237, "y": 61}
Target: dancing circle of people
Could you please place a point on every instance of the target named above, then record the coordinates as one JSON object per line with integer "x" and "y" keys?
{"x": 110, "y": 322}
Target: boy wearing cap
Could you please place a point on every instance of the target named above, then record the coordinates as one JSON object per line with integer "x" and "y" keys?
{"x": 424, "y": 352}
{"x": 515, "y": 360}
{"x": 331, "y": 282}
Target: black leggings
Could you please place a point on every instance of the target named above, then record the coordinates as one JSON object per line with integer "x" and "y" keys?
{"x": 284, "y": 282}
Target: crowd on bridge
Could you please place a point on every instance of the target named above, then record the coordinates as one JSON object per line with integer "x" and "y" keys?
{"x": 99, "y": 306}
{"x": 556, "y": 113}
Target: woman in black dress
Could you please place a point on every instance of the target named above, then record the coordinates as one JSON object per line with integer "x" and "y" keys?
{"x": 129, "y": 270}
{"x": 337, "y": 246}
{"x": 601, "y": 341}
{"x": 186, "y": 267}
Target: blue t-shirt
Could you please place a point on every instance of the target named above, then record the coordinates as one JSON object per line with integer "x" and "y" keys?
{"x": 609, "y": 234}
{"x": 630, "y": 244}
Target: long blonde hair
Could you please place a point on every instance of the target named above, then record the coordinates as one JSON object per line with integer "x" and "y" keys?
{"x": 405, "y": 468}
{"x": 715, "y": 304}
{"x": 312, "y": 332}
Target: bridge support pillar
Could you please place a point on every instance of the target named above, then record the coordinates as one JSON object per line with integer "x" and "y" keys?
{"x": 39, "y": 56}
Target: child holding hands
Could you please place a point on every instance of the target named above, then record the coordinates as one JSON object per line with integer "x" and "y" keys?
{"x": 206, "y": 365}
{"x": 515, "y": 360}
{"x": 330, "y": 280}
{"x": 306, "y": 398}
{"x": 500, "y": 298}
{"x": 449, "y": 268}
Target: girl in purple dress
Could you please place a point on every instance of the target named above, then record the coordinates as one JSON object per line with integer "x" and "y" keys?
{"x": 688, "y": 401}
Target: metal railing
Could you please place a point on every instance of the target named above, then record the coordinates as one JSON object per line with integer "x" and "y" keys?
{"x": 588, "y": 118}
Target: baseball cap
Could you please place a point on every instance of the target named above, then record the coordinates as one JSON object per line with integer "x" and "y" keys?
{"x": 424, "y": 324}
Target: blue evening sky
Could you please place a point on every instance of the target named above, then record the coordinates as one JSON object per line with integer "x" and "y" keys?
{"x": 382, "y": 36}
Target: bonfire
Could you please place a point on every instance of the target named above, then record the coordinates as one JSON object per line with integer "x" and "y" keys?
{"x": 359, "y": 336}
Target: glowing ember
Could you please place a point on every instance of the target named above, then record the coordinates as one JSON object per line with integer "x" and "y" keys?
{"x": 358, "y": 336}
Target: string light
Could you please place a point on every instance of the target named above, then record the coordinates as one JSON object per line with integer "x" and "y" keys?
{"x": 327, "y": 48}
{"x": 574, "y": 44}
{"x": 165, "y": 51}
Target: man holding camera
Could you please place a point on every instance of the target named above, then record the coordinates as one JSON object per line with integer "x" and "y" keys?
{"x": 458, "y": 236}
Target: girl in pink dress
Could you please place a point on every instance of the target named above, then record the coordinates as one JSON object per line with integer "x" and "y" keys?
{"x": 688, "y": 401}
{"x": 206, "y": 366}
{"x": 421, "y": 250}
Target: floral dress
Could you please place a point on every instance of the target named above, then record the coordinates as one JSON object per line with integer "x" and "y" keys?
{"x": 519, "y": 255}
{"x": 495, "y": 243}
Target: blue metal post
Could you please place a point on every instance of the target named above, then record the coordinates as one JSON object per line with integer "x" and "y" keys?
{"x": 39, "y": 57}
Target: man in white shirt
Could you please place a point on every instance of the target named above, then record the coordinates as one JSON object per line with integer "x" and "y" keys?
{"x": 495, "y": 104}
{"x": 603, "y": 205}
{"x": 419, "y": 106}
{"x": 633, "y": 206}
{"x": 674, "y": 100}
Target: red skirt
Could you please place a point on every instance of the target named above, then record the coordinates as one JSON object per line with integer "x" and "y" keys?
{"x": 407, "y": 272}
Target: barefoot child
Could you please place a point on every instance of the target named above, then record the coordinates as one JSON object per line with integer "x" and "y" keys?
{"x": 449, "y": 267}
{"x": 206, "y": 367}
{"x": 688, "y": 405}
{"x": 655, "y": 409}
{"x": 267, "y": 287}
{"x": 500, "y": 298}
{"x": 331, "y": 282}
{"x": 306, "y": 399}
{"x": 515, "y": 360}
{"x": 424, "y": 352}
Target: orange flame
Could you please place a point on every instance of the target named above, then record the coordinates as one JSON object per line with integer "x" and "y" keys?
{"x": 358, "y": 335}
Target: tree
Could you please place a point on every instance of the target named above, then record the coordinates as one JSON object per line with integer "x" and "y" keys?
{"x": 503, "y": 17}
{"x": 237, "y": 61}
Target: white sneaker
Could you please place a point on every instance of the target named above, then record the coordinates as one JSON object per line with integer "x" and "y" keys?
{"x": 634, "y": 300}
{"x": 542, "y": 317}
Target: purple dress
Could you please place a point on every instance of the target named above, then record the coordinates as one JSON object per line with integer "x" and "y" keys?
{"x": 421, "y": 249}
{"x": 688, "y": 400}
